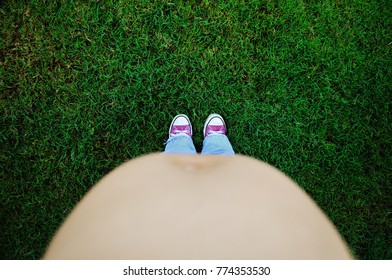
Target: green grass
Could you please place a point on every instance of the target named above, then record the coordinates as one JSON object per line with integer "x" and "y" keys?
{"x": 303, "y": 85}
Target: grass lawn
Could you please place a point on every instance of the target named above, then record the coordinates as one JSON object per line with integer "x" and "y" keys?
{"x": 303, "y": 85}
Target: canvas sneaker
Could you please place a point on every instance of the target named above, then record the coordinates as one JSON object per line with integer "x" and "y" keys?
{"x": 214, "y": 125}
{"x": 180, "y": 125}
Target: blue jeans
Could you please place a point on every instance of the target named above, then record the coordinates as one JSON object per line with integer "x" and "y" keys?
{"x": 216, "y": 144}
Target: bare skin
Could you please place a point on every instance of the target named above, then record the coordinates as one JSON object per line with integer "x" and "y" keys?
{"x": 196, "y": 207}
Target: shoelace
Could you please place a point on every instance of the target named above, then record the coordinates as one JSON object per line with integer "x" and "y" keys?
{"x": 177, "y": 131}
{"x": 215, "y": 132}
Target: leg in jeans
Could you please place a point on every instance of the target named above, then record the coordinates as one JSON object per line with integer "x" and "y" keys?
{"x": 180, "y": 136}
{"x": 181, "y": 144}
{"x": 217, "y": 144}
{"x": 215, "y": 139}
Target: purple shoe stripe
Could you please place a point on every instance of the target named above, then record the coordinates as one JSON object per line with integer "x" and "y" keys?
{"x": 182, "y": 127}
{"x": 215, "y": 128}
{"x": 177, "y": 129}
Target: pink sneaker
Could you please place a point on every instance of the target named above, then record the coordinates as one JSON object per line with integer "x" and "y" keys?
{"x": 180, "y": 125}
{"x": 214, "y": 125}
